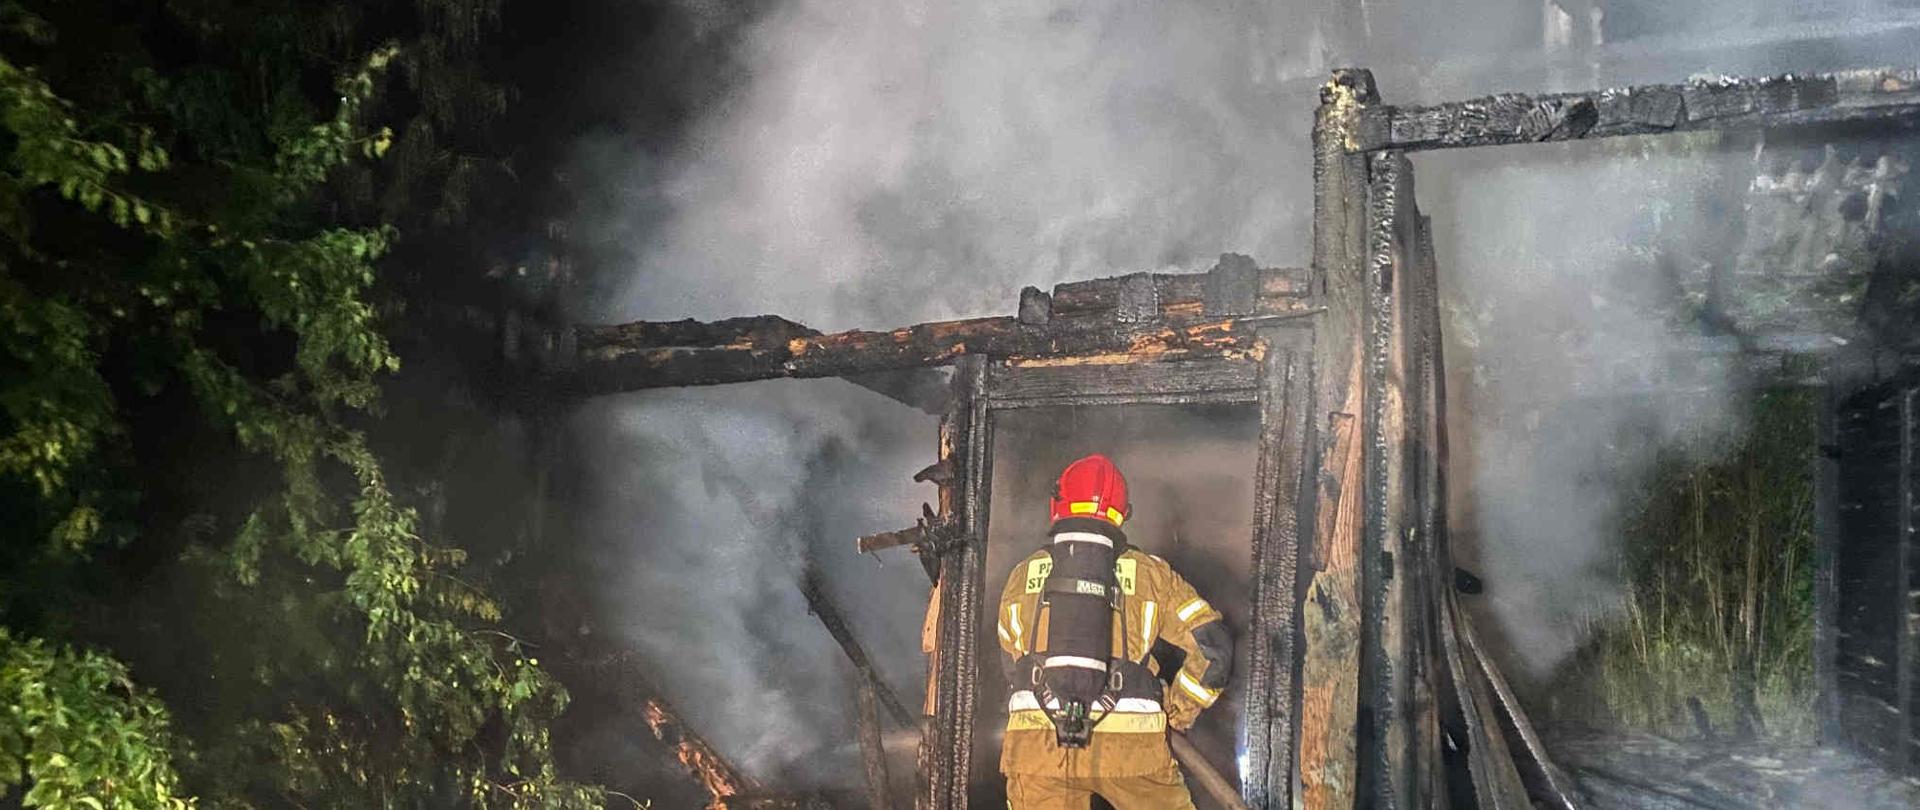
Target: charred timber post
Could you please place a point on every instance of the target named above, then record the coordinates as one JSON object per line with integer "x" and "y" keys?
{"x": 1329, "y": 615}
{"x": 1432, "y": 571}
{"x": 1285, "y": 391}
{"x": 1716, "y": 103}
{"x": 947, "y": 752}
{"x": 1387, "y": 759}
{"x": 1384, "y": 756}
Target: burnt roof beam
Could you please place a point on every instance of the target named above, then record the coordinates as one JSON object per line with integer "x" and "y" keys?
{"x": 1126, "y": 319}
{"x": 1656, "y": 109}
{"x": 615, "y": 368}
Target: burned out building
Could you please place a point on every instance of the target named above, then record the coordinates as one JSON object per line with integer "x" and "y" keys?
{"x": 1363, "y": 681}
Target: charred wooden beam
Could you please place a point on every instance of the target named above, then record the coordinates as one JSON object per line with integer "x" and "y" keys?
{"x": 1330, "y": 611}
{"x": 1431, "y": 564}
{"x": 1714, "y": 103}
{"x": 824, "y": 609}
{"x": 720, "y": 778}
{"x": 1123, "y": 380}
{"x": 759, "y": 332}
{"x": 1122, "y": 319}
{"x": 1285, "y": 397}
{"x": 921, "y": 388}
{"x": 625, "y": 672}
{"x": 1235, "y": 286}
{"x": 614, "y": 365}
{"x": 1386, "y": 759}
{"x": 873, "y": 754}
{"x": 947, "y": 751}
{"x": 1494, "y": 780}
{"x": 1547, "y": 786}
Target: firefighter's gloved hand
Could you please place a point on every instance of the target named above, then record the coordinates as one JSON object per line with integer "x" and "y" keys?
{"x": 1181, "y": 714}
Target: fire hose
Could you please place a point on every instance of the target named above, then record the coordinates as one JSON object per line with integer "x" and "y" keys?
{"x": 1210, "y": 779}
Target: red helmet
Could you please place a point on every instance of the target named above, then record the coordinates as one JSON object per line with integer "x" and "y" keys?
{"x": 1092, "y": 488}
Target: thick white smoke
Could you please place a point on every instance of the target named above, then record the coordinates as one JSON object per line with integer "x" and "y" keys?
{"x": 880, "y": 163}
{"x": 892, "y": 162}
{"x": 1571, "y": 366}
{"x": 706, "y": 506}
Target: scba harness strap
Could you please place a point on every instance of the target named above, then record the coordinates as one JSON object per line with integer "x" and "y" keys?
{"x": 1075, "y": 680}
{"x": 1126, "y": 680}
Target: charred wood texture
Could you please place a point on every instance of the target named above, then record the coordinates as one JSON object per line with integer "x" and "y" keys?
{"x": 1092, "y": 381}
{"x": 1285, "y": 396}
{"x": 824, "y": 609}
{"x": 1717, "y": 103}
{"x": 947, "y": 751}
{"x": 1385, "y": 762}
{"x": 873, "y": 754}
{"x": 1137, "y": 318}
{"x": 720, "y": 778}
{"x": 1330, "y": 611}
{"x": 1493, "y": 781}
{"x": 633, "y": 692}
{"x": 1398, "y": 707}
{"x": 1877, "y": 573}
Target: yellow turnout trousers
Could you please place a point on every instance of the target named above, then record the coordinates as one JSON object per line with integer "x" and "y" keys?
{"x": 1163, "y": 789}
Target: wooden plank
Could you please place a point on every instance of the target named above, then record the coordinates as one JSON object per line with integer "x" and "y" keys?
{"x": 1016, "y": 384}
{"x": 613, "y": 365}
{"x": 1826, "y": 544}
{"x": 1549, "y": 787}
{"x": 1386, "y": 761}
{"x": 873, "y": 753}
{"x": 1330, "y": 670}
{"x": 1496, "y": 783}
{"x": 814, "y": 590}
{"x": 946, "y": 753}
{"x": 1330, "y": 611}
{"x": 1709, "y": 103}
{"x": 1178, "y": 293}
{"x": 704, "y": 764}
{"x": 1285, "y": 396}
{"x": 1907, "y": 630}
{"x": 1428, "y": 574}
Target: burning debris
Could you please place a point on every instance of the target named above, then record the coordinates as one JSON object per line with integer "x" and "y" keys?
{"x": 706, "y": 766}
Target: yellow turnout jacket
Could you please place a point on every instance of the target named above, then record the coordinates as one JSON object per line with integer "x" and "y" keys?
{"x": 1157, "y": 604}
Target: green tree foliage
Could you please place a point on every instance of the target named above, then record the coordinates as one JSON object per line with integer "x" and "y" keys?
{"x": 186, "y": 291}
{"x": 80, "y": 733}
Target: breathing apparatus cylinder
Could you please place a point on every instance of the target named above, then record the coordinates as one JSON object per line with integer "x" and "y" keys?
{"x": 1073, "y": 674}
{"x": 1074, "y": 668}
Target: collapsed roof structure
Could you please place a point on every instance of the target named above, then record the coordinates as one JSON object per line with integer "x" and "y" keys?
{"x": 1365, "y": 683}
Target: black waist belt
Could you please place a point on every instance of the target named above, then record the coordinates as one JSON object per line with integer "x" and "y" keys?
{"x": 1125, "y": 679}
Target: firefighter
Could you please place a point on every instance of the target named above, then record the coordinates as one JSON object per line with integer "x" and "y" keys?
{"x": 1085, "y": 623}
